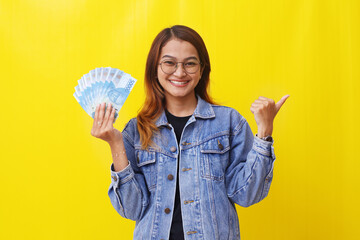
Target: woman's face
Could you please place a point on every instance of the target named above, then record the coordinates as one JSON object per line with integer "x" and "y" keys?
{"x": 179, "y": 84}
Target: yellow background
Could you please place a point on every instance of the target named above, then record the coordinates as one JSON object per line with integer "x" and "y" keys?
{"x": 54, "y": 175}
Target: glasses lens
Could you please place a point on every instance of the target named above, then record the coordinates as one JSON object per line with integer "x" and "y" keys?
{"x": 169, "y": 66}
{"x": 191, "y": 66}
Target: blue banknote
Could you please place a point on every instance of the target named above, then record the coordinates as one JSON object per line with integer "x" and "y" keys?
{"x": 109, "y": 85}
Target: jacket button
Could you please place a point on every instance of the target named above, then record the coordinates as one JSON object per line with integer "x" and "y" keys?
{"x": 220, "y": 145}
{"x": 170, "y": 177}
{"x": 186, "y": 169}
{"x": 173, "y": 149}
{"x": 167, "y": 210}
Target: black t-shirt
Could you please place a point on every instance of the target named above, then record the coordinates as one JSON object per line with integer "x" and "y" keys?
{"x": 177, "y": 231}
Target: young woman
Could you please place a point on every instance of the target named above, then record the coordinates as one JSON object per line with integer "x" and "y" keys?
{"x": 182, "y": 164}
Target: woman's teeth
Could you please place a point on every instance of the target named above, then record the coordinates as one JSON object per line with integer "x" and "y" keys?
{"x": 179, "y": 82}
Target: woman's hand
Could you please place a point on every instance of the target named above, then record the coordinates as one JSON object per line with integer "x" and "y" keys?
{"x": 103, "y": 125}
{"x": 265, "y": 110}
{"x": 103, "y": 128}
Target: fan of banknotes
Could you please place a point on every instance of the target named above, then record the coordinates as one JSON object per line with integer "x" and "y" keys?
{"x": 109, "y": 85}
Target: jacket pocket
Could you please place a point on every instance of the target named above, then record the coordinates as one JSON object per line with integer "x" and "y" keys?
{"x": 146, "y": 162}
{"x": 214, "y": 158}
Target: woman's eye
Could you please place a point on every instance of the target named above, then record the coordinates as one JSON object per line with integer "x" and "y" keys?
{"x": 190, "y": 64}
{"x": 169, "y": 63}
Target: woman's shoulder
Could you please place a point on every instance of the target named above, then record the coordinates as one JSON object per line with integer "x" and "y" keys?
{"x": 225, "y": 114}
{"x": 130, "y": 130}
{"x": 131, "y": 125}
{"x": 223, "y": 111}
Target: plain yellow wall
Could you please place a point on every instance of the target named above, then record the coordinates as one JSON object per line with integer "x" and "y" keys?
{"x": 54, "y": 175}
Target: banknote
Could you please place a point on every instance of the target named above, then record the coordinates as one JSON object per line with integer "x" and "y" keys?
{"x": 109, "y": 85}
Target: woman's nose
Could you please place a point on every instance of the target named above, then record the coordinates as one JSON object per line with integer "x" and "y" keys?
{"x": 180, "y": 71}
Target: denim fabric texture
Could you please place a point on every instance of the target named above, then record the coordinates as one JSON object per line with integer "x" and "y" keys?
{"x": 221, "y": 163}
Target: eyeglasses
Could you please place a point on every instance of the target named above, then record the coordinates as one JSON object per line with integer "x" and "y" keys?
{"x": 170, "y": 66}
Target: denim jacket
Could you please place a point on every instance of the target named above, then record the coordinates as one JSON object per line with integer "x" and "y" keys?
{"x": 221, "y": 163}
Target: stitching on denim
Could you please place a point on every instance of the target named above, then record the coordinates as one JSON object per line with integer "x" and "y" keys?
{"x": 128, "y": 138}
{"x": 152, "y": 186}
{"x": 124, "y": 132}
{"x": 213, "y": 177}
{"x": 117, "y": 194}
{"x": 239, "y": 126}
{"x": 149, "y": 149}
{"x": 157, "y": 150}
{"x": 209, "y": 114}
{"x": 215, "y": 151}
{"x": 262, "y": 151}
{"x": 152, "y": 159}
{"x": 155, "y": 221}
{"x": 131, "y": 179}
{"x": 247, "y": 179}
{"x": 218, "y": 134}
{"x": 266, "y": 187}
{"x": 211, "y": 151}
{"x": 128, "y": 178}
{"x": 262, "y": 190}
{"x": 213, "y": 210}
{"x": 141, "y": 164}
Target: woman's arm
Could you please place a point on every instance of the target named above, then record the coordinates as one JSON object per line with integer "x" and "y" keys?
{"x": 128, "y": 192}
{"x": 103, "y": 128}
{"x": 250, "y": 172}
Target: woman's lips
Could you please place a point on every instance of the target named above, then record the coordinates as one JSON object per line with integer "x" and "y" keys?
{"x": 179, "y": 83}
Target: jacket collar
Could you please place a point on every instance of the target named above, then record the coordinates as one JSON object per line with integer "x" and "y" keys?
{"x": 203, "y": 110}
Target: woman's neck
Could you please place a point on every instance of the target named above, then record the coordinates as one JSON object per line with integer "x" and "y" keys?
{"x": 181, "y": 107}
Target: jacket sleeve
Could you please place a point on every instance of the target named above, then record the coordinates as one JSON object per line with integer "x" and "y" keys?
{"x": 128, "y": 191}
{"x": 249, "y": 174}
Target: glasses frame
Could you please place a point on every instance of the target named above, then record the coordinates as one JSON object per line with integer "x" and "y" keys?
{"x": 182, "y": 63}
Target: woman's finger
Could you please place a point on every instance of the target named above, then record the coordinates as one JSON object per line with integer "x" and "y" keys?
{"x": 256, "y": 105}
{"x": 96, "y": 116}
{"x": 281, "y": 102}
{"x": 263, "y": 98}
{"x": 101, "y": 115}
{"x": 111, "y": 118}
{"x": 95, "y": 127}
{"x": 107, "y": 114}
{"x": 252, "y": 109}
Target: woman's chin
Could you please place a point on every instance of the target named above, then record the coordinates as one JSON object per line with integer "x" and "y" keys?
{"x": 179, "y": 94}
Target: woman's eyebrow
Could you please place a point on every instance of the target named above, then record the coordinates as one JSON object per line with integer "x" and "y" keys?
{"x": 192, "y": 57}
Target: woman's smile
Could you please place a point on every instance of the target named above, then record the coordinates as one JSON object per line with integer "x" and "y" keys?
{"x": 179, "y": 83}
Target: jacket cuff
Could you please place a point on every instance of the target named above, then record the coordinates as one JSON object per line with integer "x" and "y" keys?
{"x": 264, "y": 147}
{"x": 121, "y": 177}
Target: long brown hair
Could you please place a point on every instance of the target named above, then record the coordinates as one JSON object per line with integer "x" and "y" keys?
{"x": 155, "y": 98}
